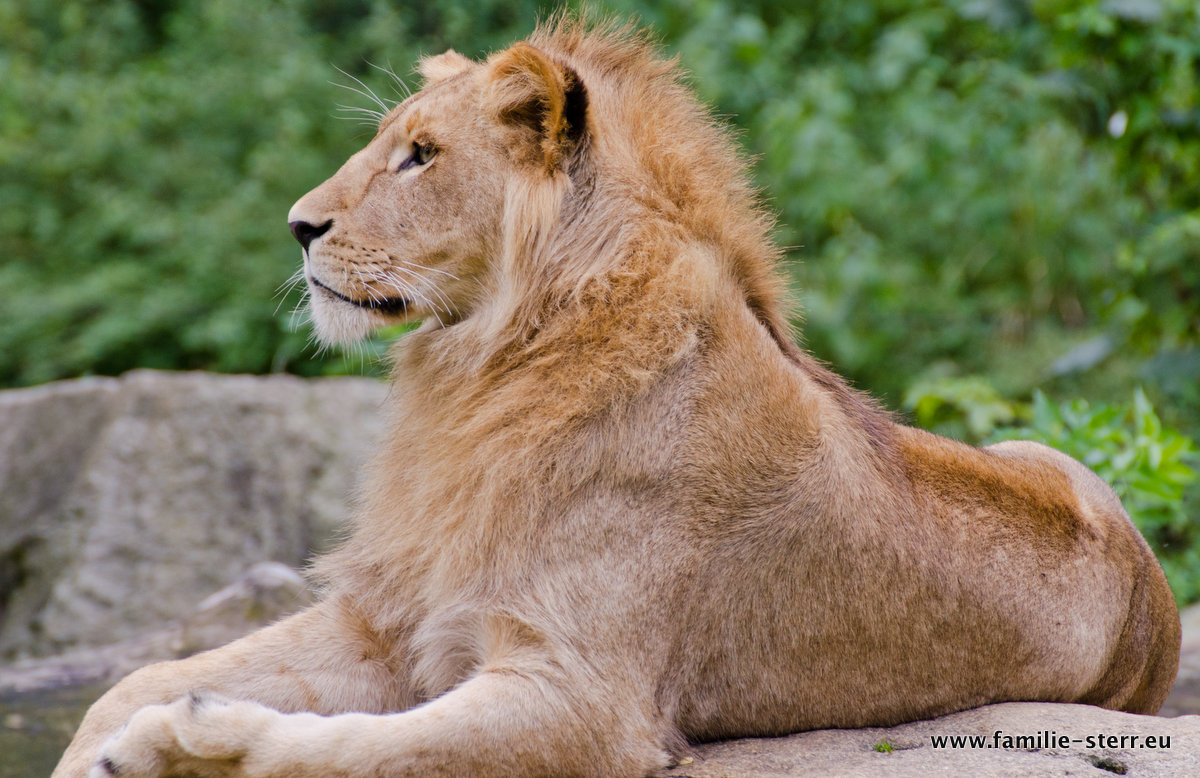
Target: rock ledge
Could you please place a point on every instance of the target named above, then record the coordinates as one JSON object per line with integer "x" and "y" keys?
{"x": 859, "y": 752}
{"x": 126, "y": 500}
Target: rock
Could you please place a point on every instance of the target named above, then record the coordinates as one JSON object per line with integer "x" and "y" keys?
{"x": 266, "y": 593}
{"x": 1185, "y": 694}
{"x": 860, "y": 752}
{"x": 123, "y": 502}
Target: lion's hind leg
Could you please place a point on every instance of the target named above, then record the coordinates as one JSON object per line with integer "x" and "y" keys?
{"x": 1143, "y": 655}
{"x": 1144, "y": 661}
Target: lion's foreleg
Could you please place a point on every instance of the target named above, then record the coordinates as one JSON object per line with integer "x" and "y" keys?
{"x": 496, "y": 724}
{"x": 310, "y": 661}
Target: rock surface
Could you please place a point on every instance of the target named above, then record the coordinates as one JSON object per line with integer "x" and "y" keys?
{"x": 1185, "y": 694}
{"x": 266, "y": 593}
{"x": 856, "y": 752}
{"x": 125, "y": 501}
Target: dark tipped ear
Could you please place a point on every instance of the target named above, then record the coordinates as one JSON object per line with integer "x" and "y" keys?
{"x": 527, "y": 88}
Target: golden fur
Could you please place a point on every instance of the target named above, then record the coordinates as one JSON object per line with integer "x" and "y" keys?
{"x": 618, "y": 510}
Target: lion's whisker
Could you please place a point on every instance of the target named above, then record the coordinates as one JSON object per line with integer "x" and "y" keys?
{"x": 446, "y": 273}
{"x": 414, "y": 274}
{"x": 390, "y": 276}
{"x": 365, "y": 115}
{"x": 302, "y": 312}
{"x": 368, "y": 93}
{"x": 445, "y": 302}
{"x": 287, "y": 287}
{"x": 402, "y": 89}
{"x": 360, "y": 109}
{"x": 291, "y": 280}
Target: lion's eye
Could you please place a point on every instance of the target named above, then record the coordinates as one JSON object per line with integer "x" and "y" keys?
{"x": 421, "y": 155}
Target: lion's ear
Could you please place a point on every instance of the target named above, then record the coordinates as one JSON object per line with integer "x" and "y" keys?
{"x": 442, "y": 66}
{"x": 527, "y": 88}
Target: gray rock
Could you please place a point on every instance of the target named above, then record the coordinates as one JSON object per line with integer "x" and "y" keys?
{"x": 266, "y": 593}
{"x": 124, "y": 502}
{"x": 857, "y": 752}
{"x": 1185, "y": 694}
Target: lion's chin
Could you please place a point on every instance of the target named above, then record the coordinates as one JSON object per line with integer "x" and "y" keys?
{"x": 341, "y": 320}
{"x": 340, "y": 324}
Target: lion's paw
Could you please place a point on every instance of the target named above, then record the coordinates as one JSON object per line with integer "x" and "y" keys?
{"x": 202, "y": 734}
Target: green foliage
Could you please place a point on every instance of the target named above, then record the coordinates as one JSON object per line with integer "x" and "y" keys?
{"x": 1133, "y": 70}
{"x": 984, "y": 198}
{"x": 948, "y": 172}
{"x": 966, "y": 407}
{"x": 884, "y": 747}
{"x": 1149, "y": 465}
{"x": 150, "y": 154}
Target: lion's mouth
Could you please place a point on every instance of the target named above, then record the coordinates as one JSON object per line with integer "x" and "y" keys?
{"x": 387, "y": 305}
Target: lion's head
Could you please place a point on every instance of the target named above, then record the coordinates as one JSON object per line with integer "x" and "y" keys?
{"x": 503, "y": 188}
{"x": 409, "y": 226}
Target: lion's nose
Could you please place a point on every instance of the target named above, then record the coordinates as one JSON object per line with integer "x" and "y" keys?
{"x": 307, "y": 233}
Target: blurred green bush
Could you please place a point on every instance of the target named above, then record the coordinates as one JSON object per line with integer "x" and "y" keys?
{"x": 150, "y": 152}
{"x": 985, "y": 198}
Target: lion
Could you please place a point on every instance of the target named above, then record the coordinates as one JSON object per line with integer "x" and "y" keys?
{"x": 618, "y": 510}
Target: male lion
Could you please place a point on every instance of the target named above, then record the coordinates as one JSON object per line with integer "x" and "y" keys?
{"x": 618, "y": 509}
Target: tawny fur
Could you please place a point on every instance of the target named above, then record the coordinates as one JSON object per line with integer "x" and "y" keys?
{"x": 618, "y": 509}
